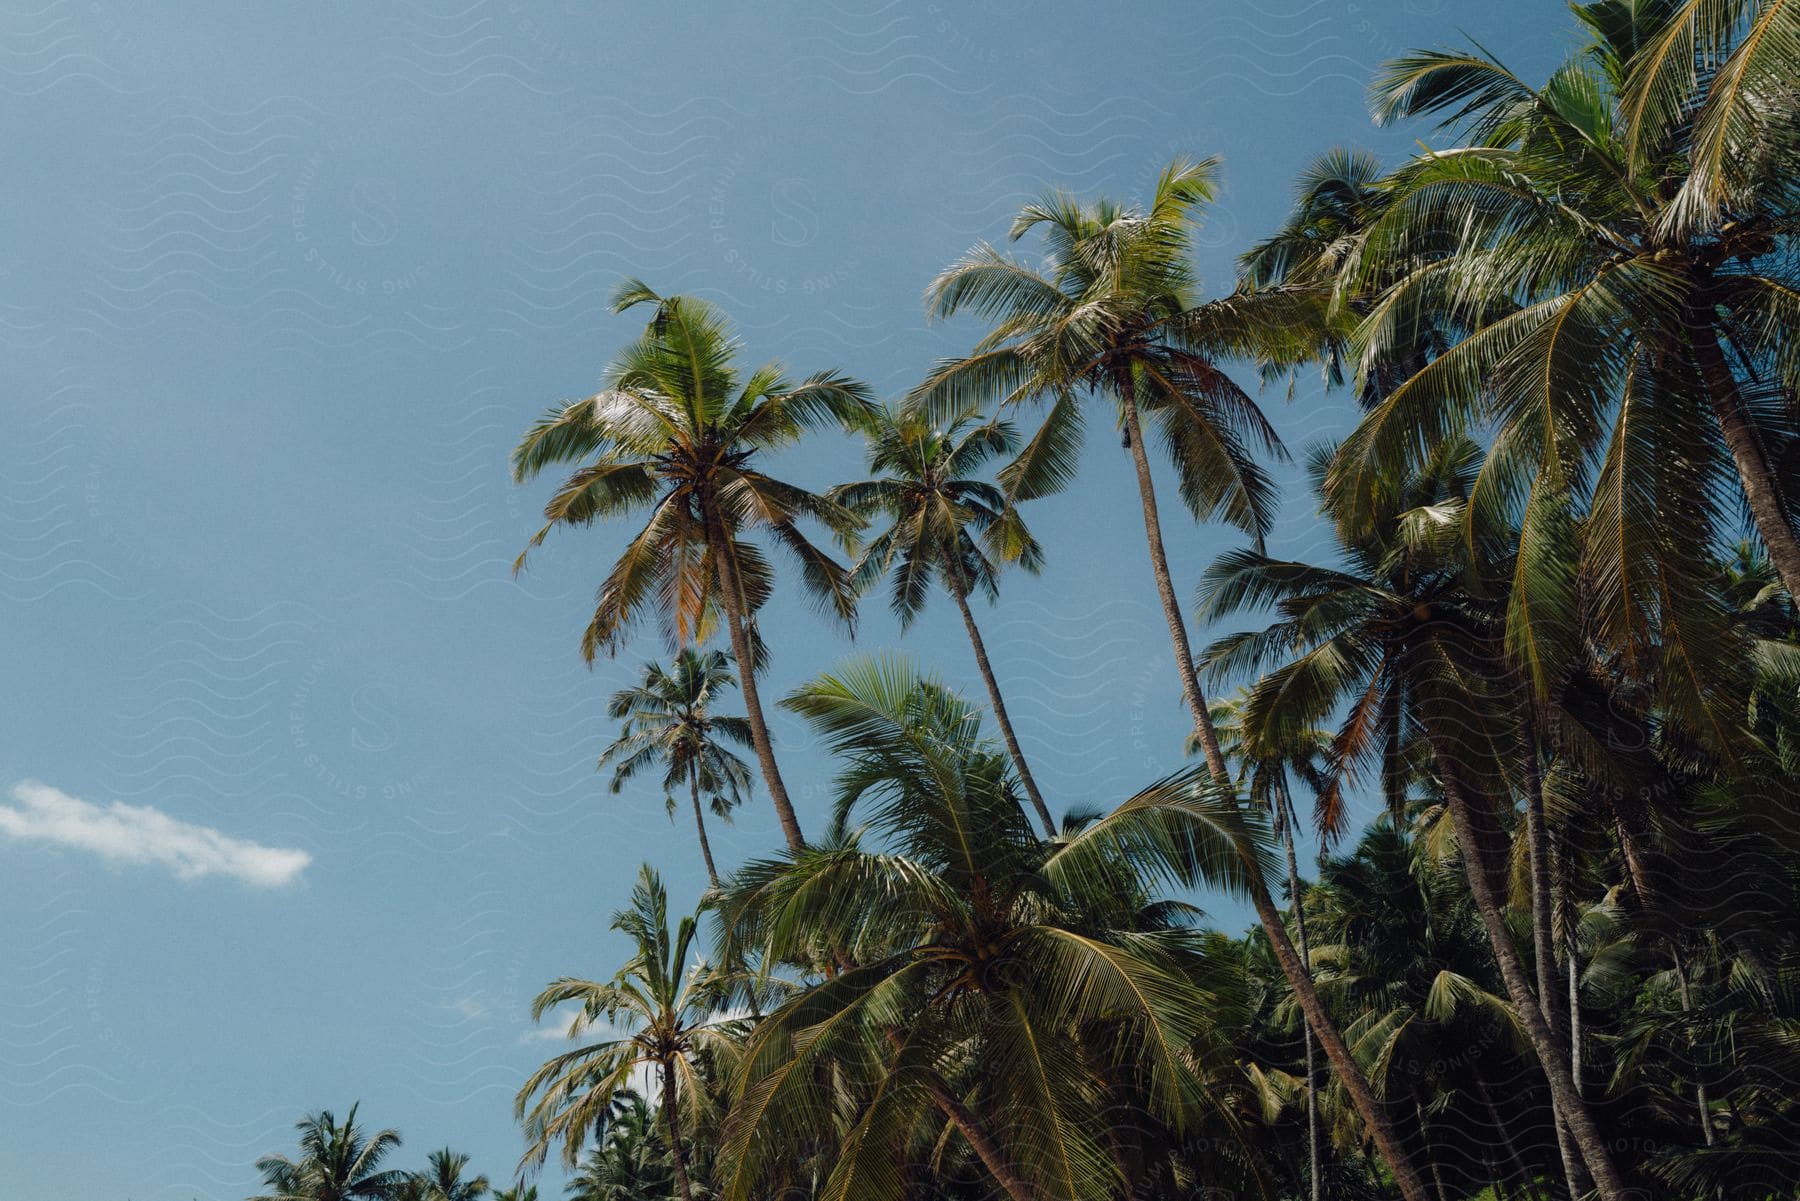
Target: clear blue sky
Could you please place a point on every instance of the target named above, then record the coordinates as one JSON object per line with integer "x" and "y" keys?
{"x": 282, "y": 285}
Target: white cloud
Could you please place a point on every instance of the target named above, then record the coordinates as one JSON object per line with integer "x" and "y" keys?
{"x": 121, "y": 833}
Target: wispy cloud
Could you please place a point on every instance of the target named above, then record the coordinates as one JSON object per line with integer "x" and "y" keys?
{"x": 121, "y": 833}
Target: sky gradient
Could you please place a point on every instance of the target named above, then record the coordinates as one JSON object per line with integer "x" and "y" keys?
{"x": 297, "y": 792}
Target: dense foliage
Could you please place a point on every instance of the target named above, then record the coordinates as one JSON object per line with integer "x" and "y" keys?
{"x": 1557, "y": 637}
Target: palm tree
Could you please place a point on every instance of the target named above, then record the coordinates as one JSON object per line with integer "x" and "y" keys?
{"x": 1405, "y": 640}
{"x": 677, "y": 429}
{"x": 662, "y": 1015}
{"x": 1618, "y": 247}
{"x": 1114, "y": 313}
{"x": 668, "y": 721}
{"x": 631, "y": 1163}
{"x": 518, "y": 1192}
{"x": 443, "y": 1179}
{"x": 337, "y": 1162}
{"x": 943, "y": 523}
{"x": 1012, "y": 999}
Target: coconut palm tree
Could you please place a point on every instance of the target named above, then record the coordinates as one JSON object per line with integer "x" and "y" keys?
{"x": 679, "y": 429}
{"x": 660, "y": 1017}
{"x": 442, "y": 1180}
{"x": 1405, "y": 641}
{"x": 1115, "y": 314}
{"x": 337, "y": 1162}
{"x": 632, "y": 1161}
{"x": 1617, "y": 246}
{"x": 668, "y": 722}
{"x": 519, "y": 1192}
{"x": 942, "y": 523}
{"x": 972, "y": 957}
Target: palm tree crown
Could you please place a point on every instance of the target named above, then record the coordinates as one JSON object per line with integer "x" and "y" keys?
{"x": 678, "y": 430}
{"x": 338, "y": 1161}
{"x": 661, "y": 1013}
{"x": 941, "y": 523}
{"x": 667, "y": 720}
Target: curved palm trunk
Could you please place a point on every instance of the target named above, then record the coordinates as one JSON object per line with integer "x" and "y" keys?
{"x": 1337, "y": 1053}
{"x": 712, "y": 873}
{"x": 1165, "y": 586}
{"x": 1381, "y": 1130}
{"x": 1477, "y": 835}
{"x": 733, "y": 598}
{"x": 990, "y": 1155}
{"x": 1761, "y": 488}
{"x": 993, "y": 688}
{"x": 672, "y": 1115}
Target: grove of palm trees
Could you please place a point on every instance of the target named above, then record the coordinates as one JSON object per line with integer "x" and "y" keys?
{"x": 1549, "y": 635}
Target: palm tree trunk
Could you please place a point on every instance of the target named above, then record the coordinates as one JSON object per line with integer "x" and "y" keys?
{"x": 1477, "y": 834}
{"x": 990, "y": 1155}
{"x": 1506, "y": 1138}
{"x": 1437, "y": 1176}
{"x": 733, "y": 599}
{"x": 1574, "y": 1017}
{"x": 672, "y": 1115}
{"x": 1381, "y": 1129}
{"x": 1761, "y": 488}
{"x": 712, "y": 873}
{"x": 1687, "y": 1007}
{"x": 1337, "y": 1053}
{"x": 1543, "y": 937}
{"x": 993, "y": 688}
{"x": 1165, "y": 586}
{"x": 1312, "y": 1076}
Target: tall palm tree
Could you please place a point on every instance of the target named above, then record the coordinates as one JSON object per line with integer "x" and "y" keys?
{"x": 986, "y": 974}
{"x": 442, "y": 1180}
{"x": 667, "y": 721}
{"x": 661, "y": 1015}
{"x": 1114, "y": 313}
{"x": 1406, "y": 642}
{"x": 679, "y": 429}
{"x": 518, "y": 1192}
{"x": 943, "y": 523}
{"x": 337, "y": 1162}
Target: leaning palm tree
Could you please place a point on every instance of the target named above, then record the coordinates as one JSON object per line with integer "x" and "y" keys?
{"x": 1407, "y": 645}
{"x": 995, "y": 993}
{"x": 678, "y": 429}
{"x": 668, "y": 722}
{"x": 1115, "y": 314}
{"x": 337, "y": 1162}
{"x": 661, "y": 1017}
{"x": 942, "y": 523}
{"x": 442, "y": 1180}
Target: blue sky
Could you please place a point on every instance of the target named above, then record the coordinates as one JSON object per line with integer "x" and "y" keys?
{"x": 314, "y": 811}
